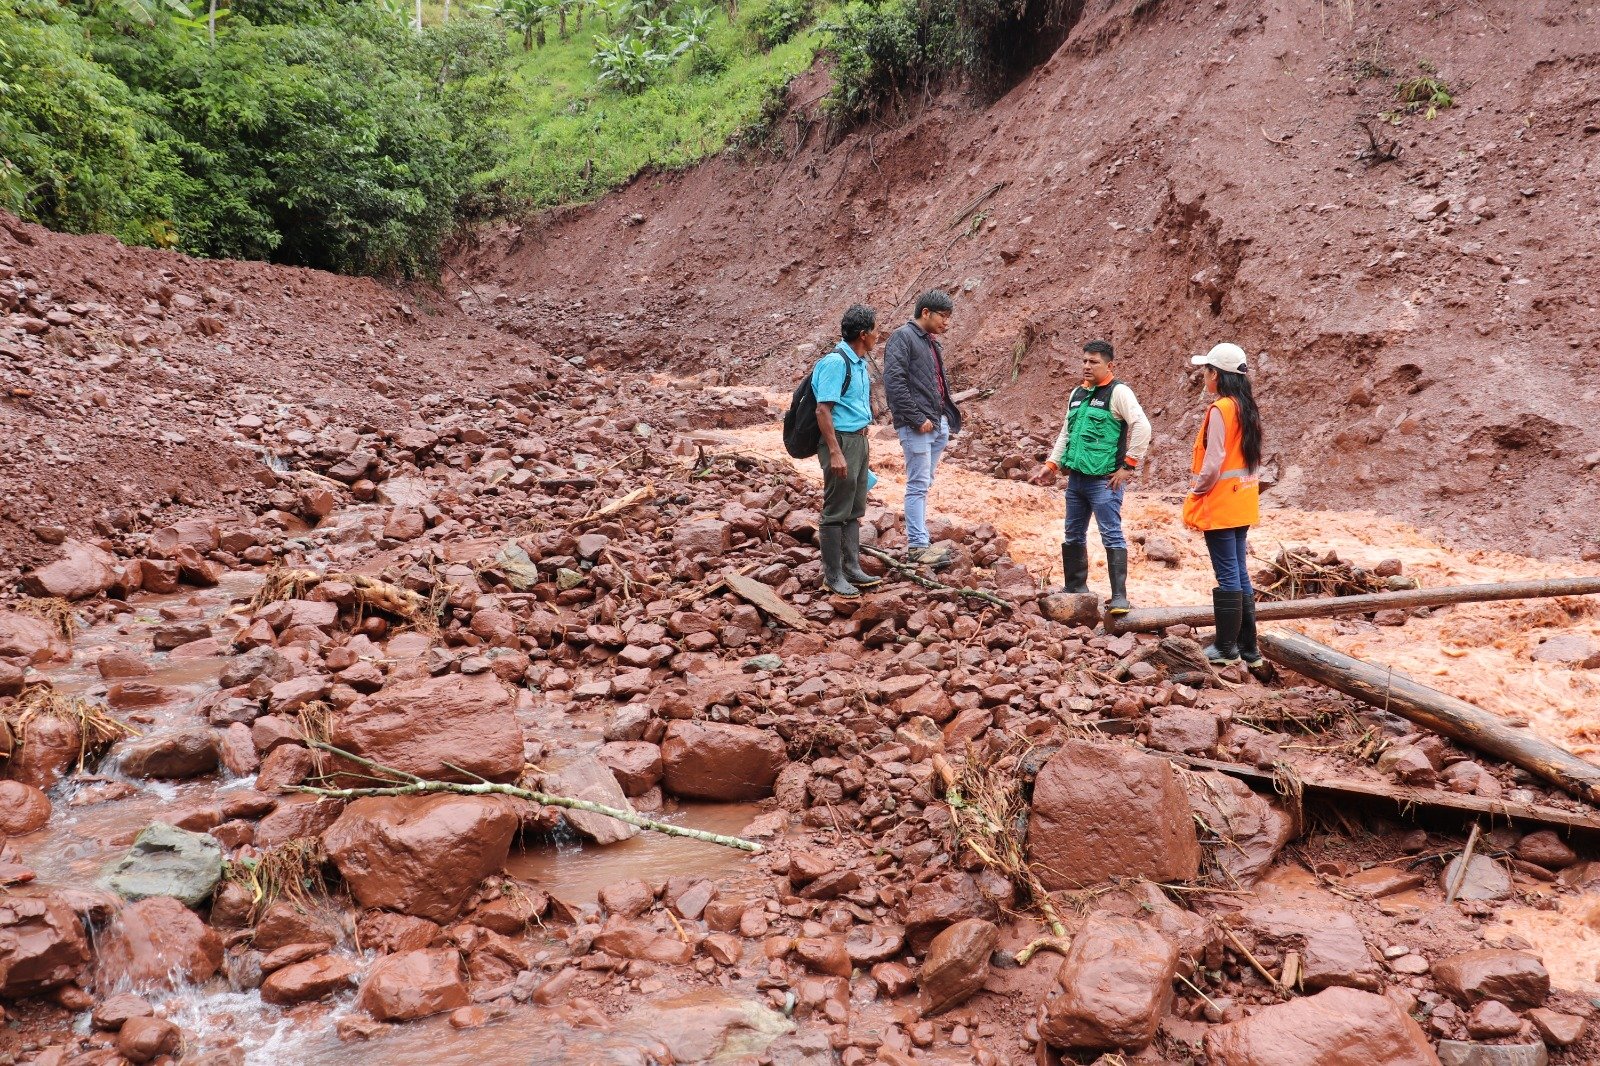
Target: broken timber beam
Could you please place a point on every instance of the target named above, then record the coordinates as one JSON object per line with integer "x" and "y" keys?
{"x": 1148, "y": 619}
{"x": 1457, "y": 719}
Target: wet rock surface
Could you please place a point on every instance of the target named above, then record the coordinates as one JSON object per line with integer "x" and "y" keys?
{"x": 1332, "y": 1028}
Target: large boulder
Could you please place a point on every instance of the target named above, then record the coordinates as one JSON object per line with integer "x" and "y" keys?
{"x": 586, "y": 778}
{"x": 957, "y": 964}
{"x": 420, "y": 855}
{"x": 82, "y": 571}
{"x": 414, "y": 984}
{"x": 23, "y": 809}
{"x": 1103, "y": 811}
{"x": 419, "y": 726}
{"x": 168, "y": 861}
{"x": 1338, "y": 1027}
{"x": 718, "y": 761}
{"x": 157, "y": 943}
{"x": 42, "y": 945}
{"x": 179, "y": 754}
{"x": 46, "y": 751}
{"x": 1116, "y": 984}
{"x": 25, "y": 637}
{"x": 301, "y": 982}
{"x": 1253, "y": 828}
{"x": 1514, "y": 978}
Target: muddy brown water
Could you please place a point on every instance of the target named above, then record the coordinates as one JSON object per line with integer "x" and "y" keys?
{"x": 81, "y": 840}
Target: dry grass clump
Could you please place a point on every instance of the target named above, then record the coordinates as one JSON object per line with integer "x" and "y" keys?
{"x": 1303, "y": 573}
{"x": 97, "y": 730}
{"x": 291, "y": 871}
{"x": 371, "y": 593}
{"x": 53, "y": 611}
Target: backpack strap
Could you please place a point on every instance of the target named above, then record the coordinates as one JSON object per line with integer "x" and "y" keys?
{"x": 844, "y": 388}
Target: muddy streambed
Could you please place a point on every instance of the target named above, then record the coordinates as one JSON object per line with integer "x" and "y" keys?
{"x": 96, "y": 816}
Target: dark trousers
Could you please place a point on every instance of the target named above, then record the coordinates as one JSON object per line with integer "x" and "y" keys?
{"x": 844, "y": 499}
{"x": 1229, "y": 559}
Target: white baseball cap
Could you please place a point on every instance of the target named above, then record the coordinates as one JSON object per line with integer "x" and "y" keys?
{"x": 1229, "y": 357}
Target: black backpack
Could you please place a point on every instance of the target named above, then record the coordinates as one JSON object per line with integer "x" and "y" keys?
{"x": 801, "y": 436}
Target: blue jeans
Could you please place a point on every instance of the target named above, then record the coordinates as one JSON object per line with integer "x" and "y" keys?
{"x": 922, "y": 455}
{"x": 1087, "y": 496}
{"x": 1228, "y": 558}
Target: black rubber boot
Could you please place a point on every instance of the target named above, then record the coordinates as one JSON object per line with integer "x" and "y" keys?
{"x": 1075, "y": 568}
{"x": 1248, "y": 651}
{"x": 1117, "y": 568}
{"x": 851, "y": 552}
{"x": 1224, "y": 647}
{"x": 831, "y": 540}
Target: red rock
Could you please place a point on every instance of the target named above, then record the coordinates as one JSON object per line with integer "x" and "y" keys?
{"x": 1383, "y": 881}
{"x": 304, "y": 981}
{"x": 1333, "y": 951}
{"x": 1101, "y": 811}
{"x": 179, "y": 754}
{"x": 290, "y": 954}
{"x": 418, "y": 726}
{"x": 48, "y": 752}
{"x": 288, "y": 697}
{"x": 391, "y": 933}
{"x": 13, "y": 677}
{"x": 717, "y": 761}
{"x": 143, "y": 1039}
{"x": 725, "y": 948}
{"x": 468, "y": 1017}
{"x": 626, "y": 898}
{"x": 111, "y": 1013}
{"x": 124, "y": 695}
{"x": 1491, "y": 1019}
{"x": 157, "y": 942}
{"x": 1256, "y": 827}
{"x": 271, "y": 730}
{"x": 894, "y": 978}
{"x": 414, "y": 984}
{"x": 1188, "y": 731}
{"x": 420, "y": 855}
{"x": 1514, "y": 978}
{"x": 25, "y": 637}
{"x": 176, "y": 634}
{"x": 42, "y": 945}
{"x": 705, "y": 539}
{"x": 284, "y": 925}
{"x": 1546, "y": 849}
{"x": 626, "y": 940}
{"x": 1560, "y": 1030}
{"x": 201, "y": 534}
{"x": 82, "y": 571}
{"x": 957, "y": 964}
{"x": 236, "y": 749}
{"x": 1338, "y": 1027}
{"x": 287, "y": 764}
{"x": 1116, "y": 984}
{"x": 23, "y": 809}
{"x": 404, "y": 523}
{"x": 297, "y": 817}
{"x": 586, "y": 778}
{"x": 934, "y": 905}
{"x": 636, "y": 763}
{"x": 157, "y": 575}
{"x": 824, "y": 955}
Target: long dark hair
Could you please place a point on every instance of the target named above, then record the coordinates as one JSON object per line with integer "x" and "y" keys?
{"x": 1237, "y": 388}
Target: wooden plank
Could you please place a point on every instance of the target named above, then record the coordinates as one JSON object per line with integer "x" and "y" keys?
{"x": 764, "y": 599}
{"x": 1149, "y": 619}
{"x": 1457, "y": 719}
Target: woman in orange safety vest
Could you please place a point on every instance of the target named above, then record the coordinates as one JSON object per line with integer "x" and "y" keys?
{"x": 1224, "y": 499}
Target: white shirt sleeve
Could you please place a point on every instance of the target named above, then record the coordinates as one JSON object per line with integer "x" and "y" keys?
{"x": 1125, "y": 405}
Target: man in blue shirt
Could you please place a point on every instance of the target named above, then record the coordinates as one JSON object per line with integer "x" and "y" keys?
{"x": 844, "y": 411}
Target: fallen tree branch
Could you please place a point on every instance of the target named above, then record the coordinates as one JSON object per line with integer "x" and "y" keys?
{"x": 910, "y": 572}
{"x": 416, "y": 786}
{"x": 1461, "y": 866}
{"x": 1456, "y": 719}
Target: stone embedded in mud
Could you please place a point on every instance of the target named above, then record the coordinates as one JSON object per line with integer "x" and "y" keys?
{"x": 420, "y": 855}
{"x": 957, "y": 964}
{"x": 1515, "y": 978}
{"x": 391, "y": 933}
{"x": 587, "y": 778}
{"x": 934, "y": 905}
{"x": 418, "y": 726}
{"x": 156, "y": 943}
{"x": 414, "y": 984}
{"x": 312, "y": 979}
{"x": 47, "y": 751}
{"x": 1101, "y": 811}
{"x": 42, "y": 945}
{"x": 142, "y": 1039}
{"x": 1071, "y": 609}
{"x": 283, "y": 924}
{"x": 296, "y": 817}
{"x": 636, "y": 763}
{"x": 83, "y": 570}
{"x": 23, "y": 809}
{"x": 1252, "y": 827}
{"x": 25, "y": 637}
{"x": 1559, "y": 1030}
{"x": 823, "y": 954}
{"x": 180, "y": 754}
{"x": 717, "y": 761}
{"x": 1333, "y": 951}
{"x": 1337, "y": 1027}
{"x": 627, "y": 940}
{"x": 1485, "y": 879}
{"x": 1187, "y": 730}
{"x": 167, "y": 861}
{"x": 1465, "y": 1053}
{"x": 1492, "y": 1019}
{"x": 1544, "y": 848}
{"x": 1116, "y": 984}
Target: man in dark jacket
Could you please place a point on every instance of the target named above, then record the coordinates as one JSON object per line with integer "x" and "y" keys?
{"x": 925, "y": 417}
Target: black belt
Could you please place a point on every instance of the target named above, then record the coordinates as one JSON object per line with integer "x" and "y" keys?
{"x": 850, "y": 432}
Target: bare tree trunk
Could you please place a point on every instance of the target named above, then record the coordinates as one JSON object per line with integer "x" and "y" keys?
{"x": 446, "y": 17}
{"x": 561, "y": 18}
{"x": 211, "y": 24}
{"x": 419, "y": 16}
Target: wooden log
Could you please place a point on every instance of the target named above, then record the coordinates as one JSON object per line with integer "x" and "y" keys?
{"x": 1457, "y": 719}
{"x": 1148, "y": 619}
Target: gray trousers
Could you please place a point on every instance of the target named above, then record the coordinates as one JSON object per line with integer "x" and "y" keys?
{"x": 844, "y": 499}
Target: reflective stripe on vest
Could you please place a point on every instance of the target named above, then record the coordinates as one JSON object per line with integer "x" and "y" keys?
{"x": 1235, "y": 500}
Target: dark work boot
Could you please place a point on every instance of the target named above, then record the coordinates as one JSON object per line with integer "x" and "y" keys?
{"x": 831, "y": 540}
{"x": 1248, "y": 651}
{"x": 1224, "y": 647}
{"x": 1117, "y": 569}
{"x": 851, "y": 560}
{"x": 1074, "y": 568}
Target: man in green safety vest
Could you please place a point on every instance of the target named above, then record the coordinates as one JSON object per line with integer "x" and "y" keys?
{"x": 1102, "y": 442}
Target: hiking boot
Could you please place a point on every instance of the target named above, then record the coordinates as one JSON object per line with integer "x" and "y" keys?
{"x": 1229, "y": 607}
{"x": 1248, "y": 651}
{"x": 831, "y": 540}
{"x": 915, "y": 555}
{"x": 851, "y": 560}
{"x": 1117, "y": 569}
{"x": 1075, "y": 568}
